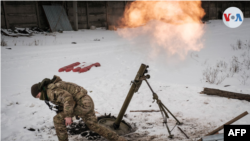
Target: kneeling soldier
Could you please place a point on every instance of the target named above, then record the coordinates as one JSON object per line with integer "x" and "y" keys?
{"x": 75, "y": 101}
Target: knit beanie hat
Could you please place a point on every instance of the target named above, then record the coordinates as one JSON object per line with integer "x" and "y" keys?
{"x": 34, "y": 90}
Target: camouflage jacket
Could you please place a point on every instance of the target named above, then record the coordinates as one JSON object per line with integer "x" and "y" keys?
{"x": 65, "y": 94}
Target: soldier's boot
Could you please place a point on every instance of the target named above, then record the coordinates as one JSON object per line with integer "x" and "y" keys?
{"x": 60, "y": 127}
{"x": 91, "y": 122}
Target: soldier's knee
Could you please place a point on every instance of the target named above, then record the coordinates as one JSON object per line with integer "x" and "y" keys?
{"x": 112, "y": 136}
{"x": 91, "y": 122}
{"x": 58, "y": 119}
{"x": 121, "y": 139}
{"x": 55, "y": 119}
{"x": 62, "y": 130}
{"x": 62, "y": 134}
{"x": 93, "y": 126}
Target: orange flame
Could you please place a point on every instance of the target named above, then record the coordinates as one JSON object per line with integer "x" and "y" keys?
{"x": 174, "y": 26}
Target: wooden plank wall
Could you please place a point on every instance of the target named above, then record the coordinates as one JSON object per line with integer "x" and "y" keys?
{"x": 96, "y": 13}
{"x": 115, "y": 11}
{"x": 81, "y": 10}
{"x": 215, "y": 9}
{"x": 21, "y": 13}
{"x": 3, "y": 25}
{"x": 89, "y": 13}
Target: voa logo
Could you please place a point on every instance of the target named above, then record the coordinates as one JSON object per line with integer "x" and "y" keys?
{"x": 233, "y": 17}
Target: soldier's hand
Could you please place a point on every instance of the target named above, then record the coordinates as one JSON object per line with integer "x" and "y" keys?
{"x": 68, "y": 121}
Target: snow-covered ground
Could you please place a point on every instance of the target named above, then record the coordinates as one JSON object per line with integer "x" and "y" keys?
{"x": 177, "y": 82}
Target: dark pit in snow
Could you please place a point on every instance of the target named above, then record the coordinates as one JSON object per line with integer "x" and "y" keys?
{"x": 80, "y": 128}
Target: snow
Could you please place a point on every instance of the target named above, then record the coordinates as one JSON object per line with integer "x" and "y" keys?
{"x": 177, "y": 82}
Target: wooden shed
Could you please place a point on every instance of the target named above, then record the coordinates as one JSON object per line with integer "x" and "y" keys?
{"x": 30, "y": 13}
{"x": 215, "y": 9}
{"x": 91, "y": 13}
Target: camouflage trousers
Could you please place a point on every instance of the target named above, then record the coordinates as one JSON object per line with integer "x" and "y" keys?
{"x": 84, "y": 109}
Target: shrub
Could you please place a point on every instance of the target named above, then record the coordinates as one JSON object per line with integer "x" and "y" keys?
{"x": 211, "y": 75}
{"x": 247, "y": 63}
{"x": 243, "y": 78}
{"x": 235, "y": 65}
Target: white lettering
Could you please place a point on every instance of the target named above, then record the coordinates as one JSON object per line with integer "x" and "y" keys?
{"x": 231, "y": 132}
{"x": 243, "y": 131}
{"x": 237, "y": 131}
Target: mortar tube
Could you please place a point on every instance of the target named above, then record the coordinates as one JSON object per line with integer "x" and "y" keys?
{"x": 131, "y": 92}
{"x": 124, "y": 106}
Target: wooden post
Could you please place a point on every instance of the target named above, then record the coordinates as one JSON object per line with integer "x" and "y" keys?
{"x": 209, "y": 10}
{"x": 210, "y": 91}
{"x": 107, "y": 19}
{"x": 216, "y": 5}
{"x": 222, "y": 11}
{"x": 125, "y": 5}
{"x": 37, "y": 15}
{"x": 75, "y": 15}
{"x": 87, "y": 15}
{"x": 66, "y": 8}
{"x": 244, "y": 3}
{"x": 5, "y": 16}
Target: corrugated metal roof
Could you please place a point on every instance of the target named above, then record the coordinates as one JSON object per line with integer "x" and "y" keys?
{"x": 216, "y": 137}
{"x": 57, "y": 18}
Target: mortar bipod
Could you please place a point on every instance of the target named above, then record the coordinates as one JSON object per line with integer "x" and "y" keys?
{"x": 162, "y": 107}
